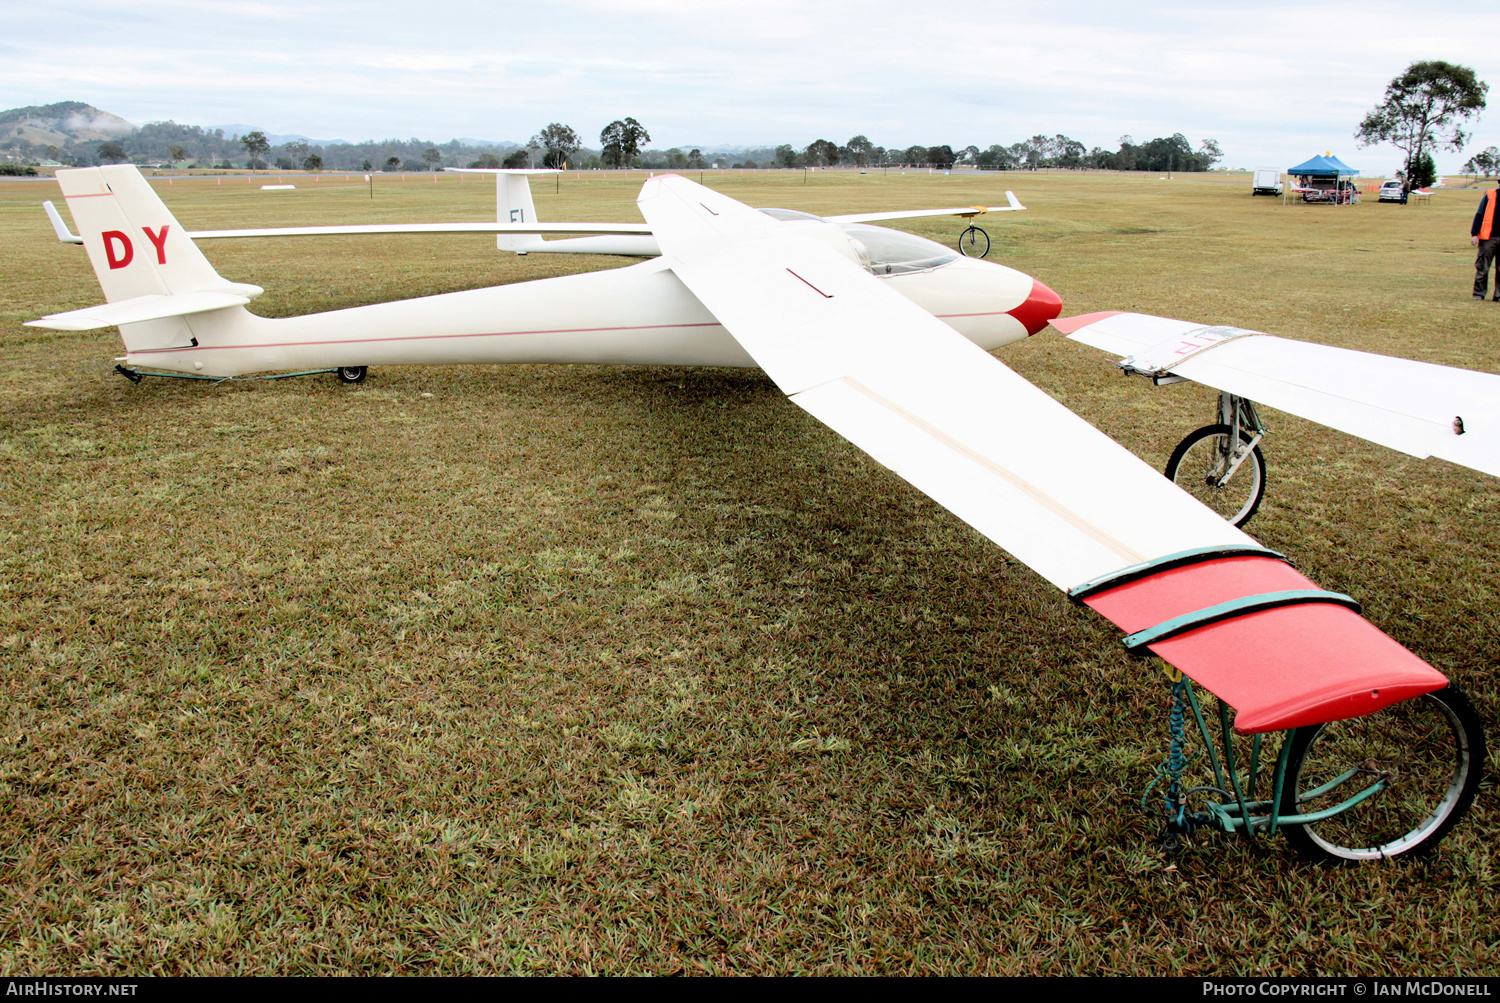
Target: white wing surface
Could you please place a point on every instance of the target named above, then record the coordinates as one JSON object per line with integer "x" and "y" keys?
{"x": 919, "y": 397}
{"x": 520, "y": 228}
{"x": 1415, "y": 407}
{"x": 967, "y": 211}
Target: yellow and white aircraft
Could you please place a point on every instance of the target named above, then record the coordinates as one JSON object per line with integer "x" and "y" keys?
{"x": 886, "y": 338}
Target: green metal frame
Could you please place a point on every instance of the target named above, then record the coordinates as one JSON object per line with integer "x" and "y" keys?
{"x": 1245, "y": 813}
{"x": 1138, "y": 642}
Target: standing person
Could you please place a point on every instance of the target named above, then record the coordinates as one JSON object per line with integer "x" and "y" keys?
{"x": 1486, "y": 236}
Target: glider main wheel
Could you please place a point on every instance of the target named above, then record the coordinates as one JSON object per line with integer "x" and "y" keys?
{"x": 974, "y": 243}
{"x": 352, "y": 374}
{"x": 1198, "y": 463}
{"x": 1429, "y": 750}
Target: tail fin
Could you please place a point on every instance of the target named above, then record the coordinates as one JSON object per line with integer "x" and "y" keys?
{"x": 152, "y": 274}
{"x": 513, "y": 205}
{"x": 135, "y": 245}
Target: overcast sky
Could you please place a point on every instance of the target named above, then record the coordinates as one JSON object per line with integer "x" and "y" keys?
{"x": 1274, "y": 84}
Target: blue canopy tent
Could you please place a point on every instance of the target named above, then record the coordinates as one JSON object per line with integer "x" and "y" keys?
{"x": 1325, "y": 178}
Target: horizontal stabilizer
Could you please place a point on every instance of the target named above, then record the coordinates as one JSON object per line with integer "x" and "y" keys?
{"x": 142, "y": 308}
{"x": 1415, "y": 407}
{"x": 58, "y": 226}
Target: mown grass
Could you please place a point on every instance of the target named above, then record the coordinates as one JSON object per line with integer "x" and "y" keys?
{"x": 580, "y": 669}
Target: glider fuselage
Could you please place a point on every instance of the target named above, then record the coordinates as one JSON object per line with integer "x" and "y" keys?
{"x": 637, "y": 315}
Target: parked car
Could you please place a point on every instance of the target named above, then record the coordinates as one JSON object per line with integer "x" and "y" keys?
{"x": 1392, "y": 191}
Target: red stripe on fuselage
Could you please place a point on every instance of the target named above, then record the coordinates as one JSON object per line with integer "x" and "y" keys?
{"x": 419, "y": 337}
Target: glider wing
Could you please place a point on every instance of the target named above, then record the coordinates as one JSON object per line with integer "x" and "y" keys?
{"x": 1026, "y": 472}
{"x": 1415, "y": 407}
{"x": 327, "y": 231}
{"x": 968, "y": 212}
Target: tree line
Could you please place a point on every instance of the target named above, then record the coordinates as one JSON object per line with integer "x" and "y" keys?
{"x": 620, "y": 146}
{"x": 622, "y": 143}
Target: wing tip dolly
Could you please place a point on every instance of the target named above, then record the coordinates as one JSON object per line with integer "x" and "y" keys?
{"x": 1262, "y": 637}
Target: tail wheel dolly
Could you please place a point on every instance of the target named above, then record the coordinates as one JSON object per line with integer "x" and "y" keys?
{"x": 352, "y": 374}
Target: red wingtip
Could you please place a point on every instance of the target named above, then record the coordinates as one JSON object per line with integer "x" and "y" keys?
{"x": 1067, "y": 325}
{"x": 1041, "y": 306}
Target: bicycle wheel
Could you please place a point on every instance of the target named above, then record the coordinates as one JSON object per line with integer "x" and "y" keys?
{"x": 1430, "y": 749}
{"x": 974, "y": 243}
{"x": 1201, "y": 459}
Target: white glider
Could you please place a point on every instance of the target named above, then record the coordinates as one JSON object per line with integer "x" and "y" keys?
{"x": 886, "y": 339}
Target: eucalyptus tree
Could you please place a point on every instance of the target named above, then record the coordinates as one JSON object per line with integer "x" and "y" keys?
{"x": 1424, "y": 109}
{"x": 821, "y": 152}
{"x": 622, "y": 141}
{"x": 1483, "y": 163}
{"x": 860, "y": 151}
{"x": 256, "y": 146}
{"x": 560, "y": 142}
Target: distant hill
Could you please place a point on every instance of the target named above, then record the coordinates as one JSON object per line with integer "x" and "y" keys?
{"x": 72, "y": 132}
{"x": 275, "y": 138}
{"x": 62, "y": 123}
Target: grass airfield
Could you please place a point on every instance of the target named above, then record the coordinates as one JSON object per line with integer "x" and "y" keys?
{"x": 580, "y": 669}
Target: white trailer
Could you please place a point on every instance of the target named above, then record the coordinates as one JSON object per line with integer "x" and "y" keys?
{"x": 1267, "y": 181}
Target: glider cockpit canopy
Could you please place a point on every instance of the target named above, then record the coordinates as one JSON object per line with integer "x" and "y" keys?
{"x": 880, "y": 250}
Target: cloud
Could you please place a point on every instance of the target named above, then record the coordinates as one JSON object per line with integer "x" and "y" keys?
{"x": 769, "y": 72}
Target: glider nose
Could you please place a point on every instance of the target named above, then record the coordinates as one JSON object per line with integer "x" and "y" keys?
{"x": 1039, "y": 307}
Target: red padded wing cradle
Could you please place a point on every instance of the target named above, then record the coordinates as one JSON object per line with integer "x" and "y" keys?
{"x": 1279, "y": 668}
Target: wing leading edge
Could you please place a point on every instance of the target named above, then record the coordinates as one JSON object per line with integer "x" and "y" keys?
{"x": 1010, "y": 461}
